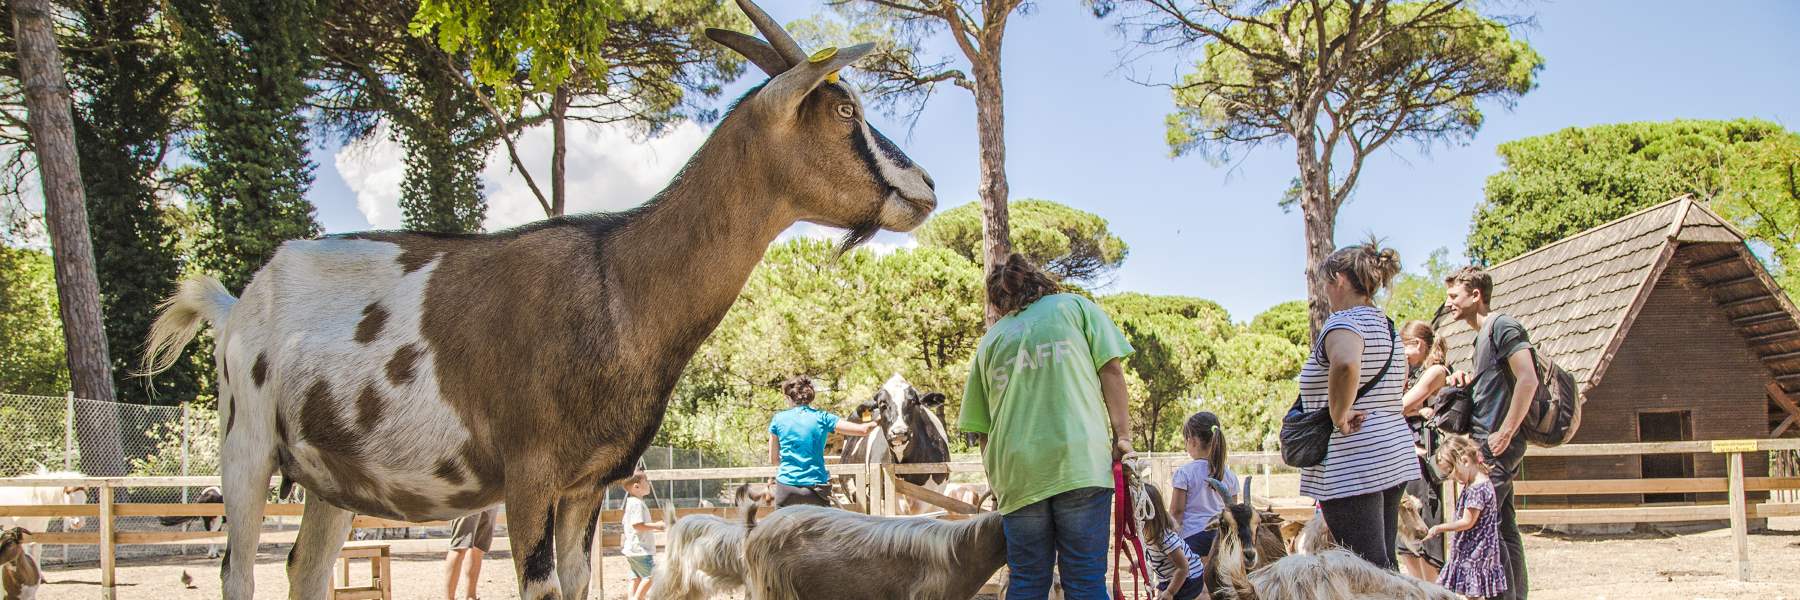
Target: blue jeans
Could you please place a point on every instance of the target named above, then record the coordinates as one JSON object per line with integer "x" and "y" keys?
{"x": 1069, "y": 532}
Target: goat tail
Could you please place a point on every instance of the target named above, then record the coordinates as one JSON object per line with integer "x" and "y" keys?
{"x": 200, "y": 300}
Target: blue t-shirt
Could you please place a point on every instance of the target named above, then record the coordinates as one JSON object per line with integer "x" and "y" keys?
{"x": 802, "y": 430}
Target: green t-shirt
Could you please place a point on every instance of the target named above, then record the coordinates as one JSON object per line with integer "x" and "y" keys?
{"x": 1034, "y": 388}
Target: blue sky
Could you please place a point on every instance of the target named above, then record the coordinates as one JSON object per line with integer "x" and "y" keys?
{"x": 1080, "y": 132}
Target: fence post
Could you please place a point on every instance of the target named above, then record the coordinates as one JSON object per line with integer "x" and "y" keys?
{"x": 107, "y": 591}
{"x": 69, "y": 431}
{"x": 1740, "y": 542}
{"x": 184, "y": 453}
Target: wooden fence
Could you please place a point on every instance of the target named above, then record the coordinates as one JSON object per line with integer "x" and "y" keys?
{"x": 883, "y": 491}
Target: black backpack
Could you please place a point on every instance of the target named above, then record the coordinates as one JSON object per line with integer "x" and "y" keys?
{"x": 1555, "y": 414}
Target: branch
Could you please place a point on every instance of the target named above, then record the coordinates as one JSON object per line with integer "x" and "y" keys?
{"x": 512, "y": 149}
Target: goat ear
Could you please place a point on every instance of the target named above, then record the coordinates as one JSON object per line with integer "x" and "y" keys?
{"x": 783, "y": 94}
{"x": 933, "y": 399}
{"x": 759, "y": 52}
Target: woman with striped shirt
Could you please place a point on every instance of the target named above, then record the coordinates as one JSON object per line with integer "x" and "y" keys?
{"x": 1370, "y": 457}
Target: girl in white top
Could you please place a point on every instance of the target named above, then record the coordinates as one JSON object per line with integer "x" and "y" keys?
{"x": 1370, "y": 457}
{"x": 1194, "y": 502}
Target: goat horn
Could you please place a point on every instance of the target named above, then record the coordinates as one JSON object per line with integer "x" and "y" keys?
{"x": 783, "y": 43}
{"x": 1219, "y": 486}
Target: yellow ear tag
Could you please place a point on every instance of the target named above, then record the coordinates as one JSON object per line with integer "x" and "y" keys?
{"x": 824, "y": 54}
{"x": 832, "y": 78}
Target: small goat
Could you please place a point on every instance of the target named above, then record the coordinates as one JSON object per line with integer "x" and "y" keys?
{"x": 1336, "y": 574}
{"x": 19, "y": 574}
{"x": 704, "y": 558}
{"x": 1314, "y": 536}
{"x": 972, "y": 494}
{"x": 804, "y": 552}
{"x": 1412, "y": 524}
{"x": 1238, "y": 571}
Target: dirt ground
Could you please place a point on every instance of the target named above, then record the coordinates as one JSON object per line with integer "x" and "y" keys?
{"x": 1634, "y": 567}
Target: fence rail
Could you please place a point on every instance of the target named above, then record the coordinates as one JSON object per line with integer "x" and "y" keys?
{"x": 885, "y": 490}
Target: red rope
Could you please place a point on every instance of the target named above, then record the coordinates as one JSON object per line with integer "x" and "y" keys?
{"x": 1126, "y": 542}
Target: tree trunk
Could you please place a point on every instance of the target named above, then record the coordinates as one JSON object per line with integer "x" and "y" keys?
{"x": 990, "y": 128}
{"x": 65, "y": 208}
{"x": 1320, "y": 217}
{"x": 559, "y": 185}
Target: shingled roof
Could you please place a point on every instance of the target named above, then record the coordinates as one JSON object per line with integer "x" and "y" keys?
{"x": 1579, "y": 296}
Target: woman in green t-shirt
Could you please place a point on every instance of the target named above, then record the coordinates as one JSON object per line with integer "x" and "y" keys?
{"x": 1046, "y": 397}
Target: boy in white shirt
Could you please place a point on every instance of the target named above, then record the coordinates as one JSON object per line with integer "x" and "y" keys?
{"x": 639, "y": 541}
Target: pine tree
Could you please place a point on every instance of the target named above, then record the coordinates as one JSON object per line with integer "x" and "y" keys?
{"x": 124, "y": 64}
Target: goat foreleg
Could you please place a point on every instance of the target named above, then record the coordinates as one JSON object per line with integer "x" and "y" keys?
{"x": 576, "y": 521}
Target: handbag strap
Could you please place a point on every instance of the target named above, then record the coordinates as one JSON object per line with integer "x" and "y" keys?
{"x": 1364, "y": 389}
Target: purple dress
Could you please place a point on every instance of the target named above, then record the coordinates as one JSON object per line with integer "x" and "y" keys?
{"x": 1474, "y": 568}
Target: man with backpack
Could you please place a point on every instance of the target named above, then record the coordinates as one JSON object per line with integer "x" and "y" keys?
{"x": 1502, "y": 386}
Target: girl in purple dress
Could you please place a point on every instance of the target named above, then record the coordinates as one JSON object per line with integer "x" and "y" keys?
{"x": 1474, "y": 568}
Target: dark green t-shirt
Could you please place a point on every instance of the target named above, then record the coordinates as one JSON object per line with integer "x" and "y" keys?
{"x": 1493, "y": 387}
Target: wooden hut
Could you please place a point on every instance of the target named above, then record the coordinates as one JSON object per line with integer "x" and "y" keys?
{"x": 1673, "y": 331}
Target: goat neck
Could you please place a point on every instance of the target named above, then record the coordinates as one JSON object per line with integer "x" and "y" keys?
{"x": 689, "y": 255}
{"x": 981, "y": 552}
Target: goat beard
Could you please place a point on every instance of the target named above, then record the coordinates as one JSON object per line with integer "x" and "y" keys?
{"x": 863, "y": 231}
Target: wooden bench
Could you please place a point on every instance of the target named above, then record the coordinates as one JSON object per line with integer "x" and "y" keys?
{"x": 380, "y": 586}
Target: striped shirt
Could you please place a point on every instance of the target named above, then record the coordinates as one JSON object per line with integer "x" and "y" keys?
{"x": 1157, "y": 553}
{"x": 1380, "y": 455}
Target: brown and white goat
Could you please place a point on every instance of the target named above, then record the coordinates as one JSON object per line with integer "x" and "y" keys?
{"x": 418, "y": 376}
{"x": 19, "y": 574}
{"x": 1314, "y": 536}
{"x": 1237, "y": 571}
{"x": 1336, "y": 574}
{"x": 805, "y": 552}
{"x": 704, "y": 558}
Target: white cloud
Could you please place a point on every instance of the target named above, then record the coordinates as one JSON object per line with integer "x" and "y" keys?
{"x": 373, "y": 169}
{"x": 608, "y": 170}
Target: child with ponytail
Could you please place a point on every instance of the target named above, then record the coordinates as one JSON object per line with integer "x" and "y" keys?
{"x": 1194, "y": 502}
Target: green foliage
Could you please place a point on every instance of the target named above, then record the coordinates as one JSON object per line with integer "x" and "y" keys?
{"x": 632, "y": 61}
{"x": 1174, "y": 339}
{"x": 849, "y": 324}
{"x": 31, "y": 336}
{"x": 248, "y": 63}
{"x": 544, "y": 39}
{"x": 1074, "y": 245}
{"x": 1566, "y": 182}
{"x": 1287, "y": 321}
{"x": 165, "y": 441}
{"x": 442, "y": 189}
{"x": 1420, "y": 81}
{"x": 125, "y": 120}
{"x": 1418, "y": 296}
{"x": 1251, "y": 384}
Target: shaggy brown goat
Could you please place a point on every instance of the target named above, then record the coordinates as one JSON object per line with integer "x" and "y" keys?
{"x": 805, "y": 552}
{"x": 704, "y": 558}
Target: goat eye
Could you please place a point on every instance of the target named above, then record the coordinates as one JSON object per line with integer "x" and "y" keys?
{"x": 846, "y": 111}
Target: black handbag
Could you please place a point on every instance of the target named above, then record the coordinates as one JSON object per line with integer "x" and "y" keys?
{"x": 1451, "y": 409}
{"x": 1306, "y": 435}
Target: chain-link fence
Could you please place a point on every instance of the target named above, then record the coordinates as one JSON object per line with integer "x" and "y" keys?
{"x": 49, "y": 434}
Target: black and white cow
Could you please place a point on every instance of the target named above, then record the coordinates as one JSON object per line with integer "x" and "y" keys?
{"x": 910, "y": 430}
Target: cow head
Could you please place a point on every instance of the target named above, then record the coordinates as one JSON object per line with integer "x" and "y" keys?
{"x": 905, "y": 415}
